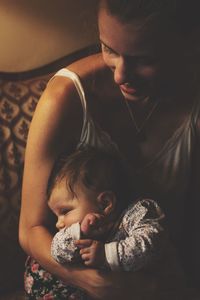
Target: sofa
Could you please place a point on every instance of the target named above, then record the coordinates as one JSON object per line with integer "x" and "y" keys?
{"x": 19, "y": 94}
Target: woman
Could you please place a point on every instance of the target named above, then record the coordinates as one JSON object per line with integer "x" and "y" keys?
{"x": 149, "y": 113}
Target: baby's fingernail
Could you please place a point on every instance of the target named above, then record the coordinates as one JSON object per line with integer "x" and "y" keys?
{"x": 83, "y": 228}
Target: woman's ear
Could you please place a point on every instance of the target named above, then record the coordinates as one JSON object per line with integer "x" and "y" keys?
{"x": 107, "y": 202}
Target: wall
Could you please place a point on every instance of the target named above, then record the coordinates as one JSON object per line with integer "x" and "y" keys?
{"x": 36, "y": 32}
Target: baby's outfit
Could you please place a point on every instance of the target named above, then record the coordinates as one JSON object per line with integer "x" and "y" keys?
{"x": 137, "y": 242}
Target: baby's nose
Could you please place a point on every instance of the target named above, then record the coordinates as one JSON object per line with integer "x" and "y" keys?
{"x": 60, "y": 223}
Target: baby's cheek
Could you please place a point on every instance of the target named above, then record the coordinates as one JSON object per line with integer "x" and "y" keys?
{"x": 70, "y": 219}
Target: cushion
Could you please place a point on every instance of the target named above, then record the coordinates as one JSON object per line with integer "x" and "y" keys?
{"x": 18, "y": 102}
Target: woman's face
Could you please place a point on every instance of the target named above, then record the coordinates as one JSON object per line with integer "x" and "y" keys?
{"x": 131, "y": 52}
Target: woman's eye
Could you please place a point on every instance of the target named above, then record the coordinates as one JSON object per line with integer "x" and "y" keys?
{"x": 107, "y": 49}
{"x": 147, "y": 61}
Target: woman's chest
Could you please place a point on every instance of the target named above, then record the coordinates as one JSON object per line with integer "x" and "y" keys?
{"x": 143, "y": 147}
{"x": 140, "y": 134}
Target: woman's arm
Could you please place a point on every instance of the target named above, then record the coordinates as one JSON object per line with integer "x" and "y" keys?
{"x": 52, "y": 131}
{"x": 55, "y": 128}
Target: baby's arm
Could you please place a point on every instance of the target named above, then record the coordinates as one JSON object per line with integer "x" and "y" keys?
{"x": 140, "y": 246}
{"x": 63, "y": 249}
{"x": 92, "y": 251}
{"x": 143, "y": 243}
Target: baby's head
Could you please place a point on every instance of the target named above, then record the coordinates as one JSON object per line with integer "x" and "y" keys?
{"x": 88, "y": 181}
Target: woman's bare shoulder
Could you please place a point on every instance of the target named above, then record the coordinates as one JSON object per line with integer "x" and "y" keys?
{"x": 96, "y": 79}
{"x": 93, "y": 73}
{"x": 61, "y": 95}
{"x": 88, "y": 66}
{"x": 89, "y": 69}
{"x": 58, "y": 115}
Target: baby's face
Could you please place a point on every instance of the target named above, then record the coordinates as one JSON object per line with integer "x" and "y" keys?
{"x": 68, "y": 209}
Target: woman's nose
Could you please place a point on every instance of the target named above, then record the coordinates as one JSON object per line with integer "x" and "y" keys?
{"x": 121, "y": 70}
{"x": 60, "y": 223}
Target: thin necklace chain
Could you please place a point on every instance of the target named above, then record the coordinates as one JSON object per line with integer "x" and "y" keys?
{"x": 140, "y": 128}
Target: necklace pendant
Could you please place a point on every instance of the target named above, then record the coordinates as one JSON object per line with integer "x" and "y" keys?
{"x": 140, "y": 133}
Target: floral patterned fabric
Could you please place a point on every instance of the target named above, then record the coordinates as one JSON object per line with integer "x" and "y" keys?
{"x": 39, "y": 284}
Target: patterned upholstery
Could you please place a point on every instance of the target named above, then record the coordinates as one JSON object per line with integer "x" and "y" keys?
{"x": 17, "y": 105}
{"x": 19, "y": 94}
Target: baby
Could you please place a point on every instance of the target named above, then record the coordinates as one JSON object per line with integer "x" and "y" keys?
{"x": 99, "y": 222}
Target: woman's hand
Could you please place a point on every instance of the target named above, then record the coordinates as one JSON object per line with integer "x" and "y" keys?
{"x": 116, "y": 285}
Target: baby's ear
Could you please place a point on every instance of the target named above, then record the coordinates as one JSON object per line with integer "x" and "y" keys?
{"x": 107, "y": 202}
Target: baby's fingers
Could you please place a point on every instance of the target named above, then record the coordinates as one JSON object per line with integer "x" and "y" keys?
{"x": 86, "y": 257}
{"x": 84, "y": 251}
{"x": 83, "y": 243}
{"x": 87, "y": 222}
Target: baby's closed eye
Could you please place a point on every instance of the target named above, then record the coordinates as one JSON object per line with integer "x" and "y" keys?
{"x": 64, "y": 211}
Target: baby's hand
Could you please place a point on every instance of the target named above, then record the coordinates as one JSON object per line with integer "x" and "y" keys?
{"x": 92, "y": 252}
{"x": 92, "y": 225}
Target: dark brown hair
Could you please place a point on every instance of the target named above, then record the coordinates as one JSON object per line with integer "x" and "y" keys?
{"x": 182, "y": 15}
{"x": 97, "y": 170}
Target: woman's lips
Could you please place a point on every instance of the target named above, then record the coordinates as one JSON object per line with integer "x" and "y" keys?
{"x": 128, "y": 90}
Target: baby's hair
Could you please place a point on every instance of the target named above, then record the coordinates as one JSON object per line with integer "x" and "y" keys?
{"x": 97, "y": 171}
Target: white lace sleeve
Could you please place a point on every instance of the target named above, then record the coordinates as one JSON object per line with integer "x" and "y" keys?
{"x": 63, "y": 249}
{"x": 143, "y": 237}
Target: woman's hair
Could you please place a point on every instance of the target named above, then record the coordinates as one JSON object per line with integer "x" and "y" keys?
{"x": 97, "y": 171}
{"x": 181, "y": 15}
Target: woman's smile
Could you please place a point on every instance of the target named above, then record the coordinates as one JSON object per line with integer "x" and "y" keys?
{"x": 128, "y": 89}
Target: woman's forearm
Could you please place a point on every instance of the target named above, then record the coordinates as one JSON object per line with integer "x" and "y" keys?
{"x": 38, "y": 243}
{"x": 99, "y": 285}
